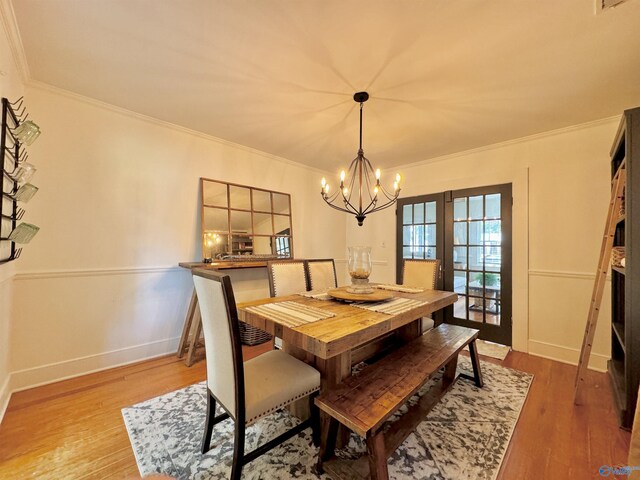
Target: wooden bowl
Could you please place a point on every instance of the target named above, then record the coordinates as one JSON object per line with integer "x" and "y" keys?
{"x": 377, "y": 295}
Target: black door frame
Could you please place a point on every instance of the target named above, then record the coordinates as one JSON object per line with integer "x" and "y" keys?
{"x": 439, "y": 316}
{"x": 496, "y": 333}
{"x": 444, "y": 251}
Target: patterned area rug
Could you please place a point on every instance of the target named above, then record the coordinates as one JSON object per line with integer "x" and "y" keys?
{"x": 490, "y": 349}
{"x": 465, "y": 436}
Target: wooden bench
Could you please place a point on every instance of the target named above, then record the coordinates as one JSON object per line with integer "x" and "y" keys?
{"x": 364, "y": 402}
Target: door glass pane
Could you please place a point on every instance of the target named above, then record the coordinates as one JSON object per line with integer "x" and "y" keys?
{"x": 460, "y": 258}
{"x": 407, "y": 234}
{"x": 492, "y": 258}
{"x": 407, "y": 214}
{"x": 418, "y": 213}
{"x": 475, "y": 284}
{"x": 459, "y": 233}
{"x": 475, "y": 208}
{"x": 476, "y": 307}
{"x": 460, "y": 282}
{"x": 460, "y": 208}
{"x": 431, "y": 235}
{"x": 492, "y": 206}
{"x": 492, "y": 232}
{"x": 418, "y": 252}
{"x": 475, "y": 258}
{"x": 475, "y": 233}
{"x": 418, "y": 235}
{"x": 431, "y": 252}
{"x": 430, "y": 214}
{"x": 492, "y": 289}
{"x": 460, "y": 307}
{"x": 406, "y": 252}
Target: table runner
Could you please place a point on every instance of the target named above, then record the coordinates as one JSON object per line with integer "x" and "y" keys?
{"x": 317, "y": 294}
{"x": 391, "y": 307}
{"x": 291, "y": 314}
{"x": 400, "y": 288}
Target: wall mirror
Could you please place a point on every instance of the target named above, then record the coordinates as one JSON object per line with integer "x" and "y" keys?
{"x": 244, "y": 223}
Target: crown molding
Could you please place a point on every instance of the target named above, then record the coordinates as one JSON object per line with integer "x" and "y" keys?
{"x": 12, "y": 31}
{"x": 36, "y": 84}
{"x": 495, "y": 146}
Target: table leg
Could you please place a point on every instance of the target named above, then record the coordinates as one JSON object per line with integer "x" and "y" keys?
{"x": 195, "y": 337}
{"x": 410, "y": 331}
{"x": 187, "y": 324}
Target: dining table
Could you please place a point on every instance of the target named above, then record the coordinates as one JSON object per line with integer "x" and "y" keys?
{"x": 328, "y": 334}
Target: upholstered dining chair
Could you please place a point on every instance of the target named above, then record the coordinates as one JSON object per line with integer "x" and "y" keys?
{"x": 286, "y": 278}
{"x": 321, "y": 273}
{"x": 425, "y": 274}
{"x": 247, "y": 390}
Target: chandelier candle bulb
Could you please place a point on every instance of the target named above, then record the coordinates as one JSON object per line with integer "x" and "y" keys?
{"x": 378, "y": 174}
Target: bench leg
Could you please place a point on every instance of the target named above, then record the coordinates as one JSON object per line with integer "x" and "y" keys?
{"x": 450, "y": 371}
{"x": 377, "y": 457}
{"x": 328, "y": 440}
{"x": 475, "y": 362}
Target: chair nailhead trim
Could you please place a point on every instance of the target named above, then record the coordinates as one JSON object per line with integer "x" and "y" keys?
{"x": 282, "y": 405}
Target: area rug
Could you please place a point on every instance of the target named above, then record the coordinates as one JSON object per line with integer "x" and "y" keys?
{"x": 490, "y": 349}
{"x": 465, "y": 436}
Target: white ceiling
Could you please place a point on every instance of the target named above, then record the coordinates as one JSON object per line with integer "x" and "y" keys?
{"x": 278, "y": 76}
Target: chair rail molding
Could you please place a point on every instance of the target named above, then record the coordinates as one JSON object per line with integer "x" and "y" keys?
{"x": 564, "y": 274}
{"x": 97, "y": 272}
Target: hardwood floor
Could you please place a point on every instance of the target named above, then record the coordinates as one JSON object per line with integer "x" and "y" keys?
{"x": 73, "y": 429}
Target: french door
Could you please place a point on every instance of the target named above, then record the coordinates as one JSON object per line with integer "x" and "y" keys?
{"x": 470, "y": 232}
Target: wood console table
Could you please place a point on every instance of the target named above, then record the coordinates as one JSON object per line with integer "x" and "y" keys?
{"x": 190, "y": 341}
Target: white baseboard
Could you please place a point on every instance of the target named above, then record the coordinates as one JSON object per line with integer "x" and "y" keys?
{"x": 5, "y": 395}
{"x": 55, "y": 372}
{"x": 597, "y": 362}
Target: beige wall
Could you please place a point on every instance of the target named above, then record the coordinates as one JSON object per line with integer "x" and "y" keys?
{"x": 561, "y": 194}
{"x": 10, "y": 87}
{"x": 118, "y": 208}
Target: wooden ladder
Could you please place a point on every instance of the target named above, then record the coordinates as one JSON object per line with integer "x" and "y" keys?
{"x": 617, "y": 194}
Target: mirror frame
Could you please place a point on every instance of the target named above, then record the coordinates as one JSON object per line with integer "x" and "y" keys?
{"x": 276, "y": 240}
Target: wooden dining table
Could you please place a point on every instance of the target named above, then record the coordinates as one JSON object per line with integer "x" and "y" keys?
{"x": 328, "y": 344}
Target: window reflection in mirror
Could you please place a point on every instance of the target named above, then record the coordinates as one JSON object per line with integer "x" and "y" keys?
{"x": 281, "y": 203}
{"x": 240, "y": 197}
{"x": 244, "y": 223}
{"x": 261, "y": 201}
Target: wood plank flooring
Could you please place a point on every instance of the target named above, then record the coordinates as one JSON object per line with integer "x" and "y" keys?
{"x": 74, "y": 430}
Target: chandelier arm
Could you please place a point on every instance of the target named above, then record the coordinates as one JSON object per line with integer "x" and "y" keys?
{"x": 353, "y": 209}
{"x": 382, "y": 207}
{"x": 389, "y": 195}
{"x": 331, "y": 199}
{"x": 392, "y": 199}
{"x": 368, "y": 210}
{"x": 340, "y": 208}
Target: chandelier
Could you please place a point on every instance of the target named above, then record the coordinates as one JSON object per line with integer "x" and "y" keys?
{"x": 360, "y": 192}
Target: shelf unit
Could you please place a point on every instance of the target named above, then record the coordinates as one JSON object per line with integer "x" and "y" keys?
{"x": 624, "y": 366}
{"x": 14, "y": 186}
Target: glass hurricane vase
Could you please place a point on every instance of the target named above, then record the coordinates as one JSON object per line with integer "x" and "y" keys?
{"x": 360, "y": 269}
